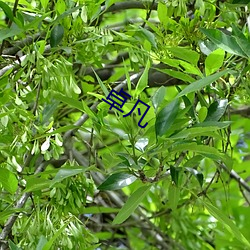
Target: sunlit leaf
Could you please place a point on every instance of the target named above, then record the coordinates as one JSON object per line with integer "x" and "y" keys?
{"x": 173, "y": 196}
{"x": 131, "y": 204}
{"x": 8, "y": 180}
{"x": 198, "y": 85}
{"x": 158, "y": 97}
{"x": 214, "y": 61}
{"x": 223, "y": 41}
{"x": 216, "y": 110}
{"x": 228, "y": 223}
{"x": 67, "y": 172}
{"x": 117, "y": 181}
{"x": 166, "y": 117}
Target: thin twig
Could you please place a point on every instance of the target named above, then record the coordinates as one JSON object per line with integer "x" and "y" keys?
{"x": 148, "y": 14}
{"x": 235, "y": 176}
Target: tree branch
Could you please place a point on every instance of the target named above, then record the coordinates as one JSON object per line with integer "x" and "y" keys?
{"x": 235, "y": 176}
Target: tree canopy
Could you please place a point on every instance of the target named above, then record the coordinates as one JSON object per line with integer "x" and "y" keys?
{"x": 124, "y": 124}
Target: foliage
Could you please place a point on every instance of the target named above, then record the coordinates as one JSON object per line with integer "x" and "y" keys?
{"x": 76, "y": 174}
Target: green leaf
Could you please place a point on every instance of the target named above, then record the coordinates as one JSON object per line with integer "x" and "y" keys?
{"x": 158, "y": 97}
{"x": 177, "y": 74}
{"x": 227, "y": 223}
{"x": 7, "y": 10}
{"x": 13, "y": 246}
{"x": 223, "y": 41}
{"x": 202, "y": 114}
{"x": 56, "y": 35}
{"x": 34, "y": 183}
{"x": 186, "y": 54}
{"x": 214, "y": 61}
{"x": 44, "y": 3}
{"x": 198, "y": 175}
{"x": 49, "y": 110}
{"x": 117, "y": 181}
{"x": 70, "y": 101}
{"x": 143, "y": 81}
{"x": 41, "y": 243}
{"x": 66, "y": 172}
{"x": 9, "y": 32}
{"x": 147, "y": 35}
{"x": 219, "y": 125}
{"x": 166, "y": 117}
{"x": 49, "y": 244}
{"x": 197, "y": 85}
{"x": 98, "y": 210}
{"x": 174, "y": 172}
{"x": 9, "y": 211}
{"x": 162, "y": 12}
{"x": 193, "y": 132}
{"x": 8, "y": 180}
{"x": 173, "y": 196}
{"x": 104, "y": 89}
{"x": 216, "y": 110}
{"x": 132, "y": 203}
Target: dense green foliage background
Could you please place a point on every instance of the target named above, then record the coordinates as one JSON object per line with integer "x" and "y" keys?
{"x": 75, "y": 174}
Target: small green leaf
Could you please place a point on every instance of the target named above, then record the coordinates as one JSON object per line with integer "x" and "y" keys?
{"x": 70, "y": 101}
{"x": 8, "y": 180}
{"x": 219, "y": 125}
{"x": 186, "y": 54}
{"x": 174, "y": 172}
{"x": 104, "y": 89}
{"x": 7, "y": 10}
{"x": 173, "y": 196}
{"x": 198, "y": 175}
{"x": 13, "y": 246}
{"x": 223, "y": 41}
{"x": 41, "y": 243}
{"x": 56, "y": 35}
{"x": 193, "y": 132}
{"x": 132, "y": 203}
{"x": 202, "y": 113}
{"x": 66, "y": 172}
{"x": 34, "y": 183}
{"x": 143, "y": 81}
{"x": 162, "y": 12}
{"x": 44, "y": 3}
{"x": 166, "y": 117}
{"x": 147, "y": 35}
{"x": 117, "y": 181}
{"x": 49, "y": 244}
{"x": 98, "y": 210}
{"x": 216, "y": 110}
{"x": 6, "y": 33}
{"x": 214, "y": 61}
{"x": 177, "y": 74}
{"x": 228, "y": 224}
{"x": 158, "y": 97}
{"x": 198, "y": 85}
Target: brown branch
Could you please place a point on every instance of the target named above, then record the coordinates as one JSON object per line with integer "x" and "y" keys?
{"x": 21, "y": 44}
